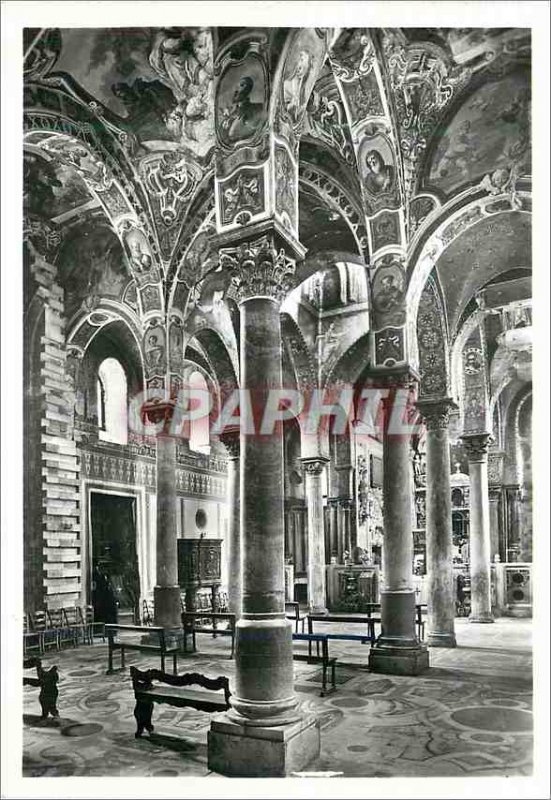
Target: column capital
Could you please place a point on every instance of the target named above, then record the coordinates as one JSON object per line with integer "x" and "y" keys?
{"x": 315, "y": 465}
{"x": 231, "y": 439}
{"x": 158, "y": 410}
{"x": 400, "y": 378}
{"x": 261, "y": 261}
{"x": 436, "y": 413}
{"x": 476, "y": 445}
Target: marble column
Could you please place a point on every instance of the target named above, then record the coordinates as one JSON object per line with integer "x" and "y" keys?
{"x": 494, "y": 495}
{"x": 333, "y": 529}
{"x": 313, "y": 469}
{"x": 230, "y": 439}
{"x": 265, "y": 732}
{"x": 440, "y": 583}
{"x": 397, "y": 650}
{"x": 166, "y": 592}
{"x": 476, "y": 447}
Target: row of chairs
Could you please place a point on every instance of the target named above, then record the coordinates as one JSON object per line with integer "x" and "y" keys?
{"x": 203, "y": 603}
{"x": 54, "y": 628}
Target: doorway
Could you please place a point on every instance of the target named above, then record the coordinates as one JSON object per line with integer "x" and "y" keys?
{"x": 115, "y": 573}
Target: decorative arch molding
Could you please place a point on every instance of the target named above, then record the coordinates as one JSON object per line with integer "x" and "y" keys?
{"x": 452, "y": 221}
{"x": 351, "y": 364}
{"x": 303, "y": 364}
{"x": 218, "y": 357}
{"x": 432, "y": 342}
{"x": 83, "y": 330}
{"x": 332, "y": 193}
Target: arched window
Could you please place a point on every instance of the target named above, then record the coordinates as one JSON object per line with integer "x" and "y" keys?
{"x": 199, "y": 439}
{"x": 112, "y": 402}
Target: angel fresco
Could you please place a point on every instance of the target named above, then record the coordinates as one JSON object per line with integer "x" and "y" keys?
{"x": 183, "y": 60}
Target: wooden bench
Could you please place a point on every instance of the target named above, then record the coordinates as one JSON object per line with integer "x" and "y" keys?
{"x": 190, "y": 626}
{"x": 368, "y": 620}
{"x": 419, "y": 621}
{"x": 214, "y": 694}
{"x": 47, "y": 681}
{"x": 323, "y": 659}
{"x": 146, "y": 645}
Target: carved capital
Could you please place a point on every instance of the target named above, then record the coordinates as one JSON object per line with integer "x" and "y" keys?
{"x": 258, "y": 268}
{"x": 436, "y": 413}
{"x": 314, "y": 466}
{"x": 158, "y": 410}
{"x": 231, "y": 441}
{"x": 476, "y": 445}
{"x": 401, "y": 378}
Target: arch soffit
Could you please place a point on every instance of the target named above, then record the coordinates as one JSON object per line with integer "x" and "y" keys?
{"x": 444, "y": 229}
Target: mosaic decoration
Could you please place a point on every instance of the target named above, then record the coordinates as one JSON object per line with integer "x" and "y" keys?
{"x": 431, "y": 339}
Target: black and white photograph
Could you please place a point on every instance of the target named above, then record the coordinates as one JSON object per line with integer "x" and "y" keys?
{"x": 274, "y": 291}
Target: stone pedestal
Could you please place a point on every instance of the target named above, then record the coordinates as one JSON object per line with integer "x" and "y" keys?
{"x": 313, "y": 468}
{"x": 476, "y": 446}
{"x": 231, "y": 441}
{"x": 267, "y": 752}
{"x": 440, "y": 583}
{"x": 397, "y": 650}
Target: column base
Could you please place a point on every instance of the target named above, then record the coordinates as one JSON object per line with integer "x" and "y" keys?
{"x": 484, "y": 618}
{"x": 168, "y": 611}
{"x": 435, "y": 639}
{"x": 317, "y": 610}
{"x": 395, "y": 660}
{"x": 268, "y": 752}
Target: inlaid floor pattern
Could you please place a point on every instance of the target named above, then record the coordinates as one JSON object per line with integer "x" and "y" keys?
{"x": 469, "y": 715}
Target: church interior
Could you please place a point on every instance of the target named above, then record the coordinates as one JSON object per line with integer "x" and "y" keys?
{"x": 329, "y": 230}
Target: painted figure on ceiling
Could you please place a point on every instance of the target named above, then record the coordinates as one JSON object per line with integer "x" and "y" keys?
{"x": 294, "y": 86}
{"x": 183, "y": 60}
{"x": 380, "y": 176}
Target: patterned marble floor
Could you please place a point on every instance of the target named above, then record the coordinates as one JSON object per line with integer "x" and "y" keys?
{"x": 469, "y": 715}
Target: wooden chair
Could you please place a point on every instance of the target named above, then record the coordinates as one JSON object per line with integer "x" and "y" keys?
{"x": 295, "y": 615}
{"x": 93, "y": 625}
{"x": 32, "y": 640}
{"x": 65, "y": 634}
{"x": 223, "y": 602}
{"x": 75, "y": 623}
{"x": 148, "y": 614}
{"x": 40, "y": 623}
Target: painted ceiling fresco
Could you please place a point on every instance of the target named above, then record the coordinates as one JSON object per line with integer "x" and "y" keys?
{"x": 491, "y": 247}
{"x": 157, "y": 80}
{"x": 51, "y": 188}
{"x": 91, "y": 265}
{"x": 491, "y": 129}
